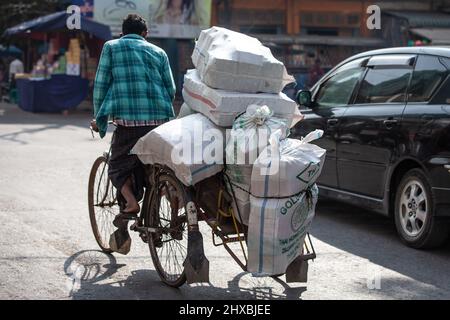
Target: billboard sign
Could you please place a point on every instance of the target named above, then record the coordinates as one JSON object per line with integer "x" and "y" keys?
{"x": 166, "y": 18}
{"x": 86, "y": 6}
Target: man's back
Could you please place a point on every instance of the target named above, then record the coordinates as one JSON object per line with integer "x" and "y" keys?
{"x": 134, "y": 86}
{"x": 134, "y": 81}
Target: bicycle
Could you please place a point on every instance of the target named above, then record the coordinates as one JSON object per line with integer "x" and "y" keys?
{"x": 168, "y": 223}
{"x": 164, "y": 232}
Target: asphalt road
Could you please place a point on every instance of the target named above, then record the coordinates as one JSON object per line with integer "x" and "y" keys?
{"x": 45, "y": 235}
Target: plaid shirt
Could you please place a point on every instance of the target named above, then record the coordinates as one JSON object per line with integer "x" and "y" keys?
{"x": 133, "y": 82}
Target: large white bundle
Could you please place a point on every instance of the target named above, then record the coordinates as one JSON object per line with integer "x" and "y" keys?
{"x": 222, "y": 107}
{"x": 277, "y": 230}
{"x": 233, "y": 61}
{"x": 287, "y": 167}
{"x": 186, "y": 146}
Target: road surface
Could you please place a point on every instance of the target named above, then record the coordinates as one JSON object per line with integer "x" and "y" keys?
{"x": 46, "y": 236}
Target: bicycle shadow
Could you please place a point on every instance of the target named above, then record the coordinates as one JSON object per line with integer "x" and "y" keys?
{"x": 94, "y": 275}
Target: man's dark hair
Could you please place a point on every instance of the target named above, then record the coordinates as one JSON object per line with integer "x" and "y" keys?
{"x": 134, "y": 23}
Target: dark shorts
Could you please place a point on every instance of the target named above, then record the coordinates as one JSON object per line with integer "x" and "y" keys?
{"x": 122, "y": 164}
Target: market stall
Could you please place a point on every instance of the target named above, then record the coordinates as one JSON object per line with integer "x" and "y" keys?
{"x": 61, "y": 62}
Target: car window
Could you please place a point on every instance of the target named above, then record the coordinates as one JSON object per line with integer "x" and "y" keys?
{"x": 427, "y": 76}
{"x": 384, "y": 85}
{"x": 338, "y": 90}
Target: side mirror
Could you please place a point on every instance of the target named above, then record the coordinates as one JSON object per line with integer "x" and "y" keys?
{"x": 304, "y": 98}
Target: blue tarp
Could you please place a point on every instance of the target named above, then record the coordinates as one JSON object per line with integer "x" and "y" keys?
{"x": 61, "y": 92}
{"x": 57, "y": 21}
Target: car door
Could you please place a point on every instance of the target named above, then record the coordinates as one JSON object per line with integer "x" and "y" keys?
{"x": 427, "y": 117}
{"x": 330, "y": 99}
{"x": 371, "y": 129}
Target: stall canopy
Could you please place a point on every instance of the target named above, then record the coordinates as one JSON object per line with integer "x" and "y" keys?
{"x": 438, "y": 37}
{"x": 57, "y": 21}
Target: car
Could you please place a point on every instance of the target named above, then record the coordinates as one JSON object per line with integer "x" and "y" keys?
{"x": 386, "y": 120}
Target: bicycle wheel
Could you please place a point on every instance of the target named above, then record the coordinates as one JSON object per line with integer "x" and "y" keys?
{"x": 103, "y": 205}
{"x": 167, "y": 212}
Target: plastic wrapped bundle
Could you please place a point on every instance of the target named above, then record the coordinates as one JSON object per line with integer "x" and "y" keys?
{"x": 183, "y": 145}
{"x": 233, "y": 61}
{"x": 222, "y": 107}
{"x": 288, "y": 166}
{"x": 282, "y": 204}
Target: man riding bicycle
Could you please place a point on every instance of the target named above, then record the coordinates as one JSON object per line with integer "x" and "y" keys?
{"x": 134, "y": 87}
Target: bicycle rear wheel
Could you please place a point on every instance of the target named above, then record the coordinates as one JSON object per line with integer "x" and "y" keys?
{"x": 103, "y": 205}
{"x": 167, "y": 212}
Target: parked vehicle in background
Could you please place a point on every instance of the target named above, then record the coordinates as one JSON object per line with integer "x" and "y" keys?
{"x": 386, "y": 121}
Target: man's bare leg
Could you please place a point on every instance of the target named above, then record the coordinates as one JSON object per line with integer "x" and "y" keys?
{"x": 132, "y": 204}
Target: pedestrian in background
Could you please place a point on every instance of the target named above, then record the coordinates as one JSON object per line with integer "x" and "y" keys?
{"x": 16, "y": 66}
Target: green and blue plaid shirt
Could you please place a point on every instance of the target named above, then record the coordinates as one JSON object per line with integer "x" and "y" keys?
{"x": 133, "y": 82}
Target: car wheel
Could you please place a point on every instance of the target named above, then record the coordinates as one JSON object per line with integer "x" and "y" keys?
{"x": 414, "y": 212}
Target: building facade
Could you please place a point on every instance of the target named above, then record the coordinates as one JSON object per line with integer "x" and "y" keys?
{"x": 303, "y": 32}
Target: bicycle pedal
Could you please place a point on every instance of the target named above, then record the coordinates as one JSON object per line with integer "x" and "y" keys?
{"x": 122, "y": 219}
{"x": 143, "y": 237}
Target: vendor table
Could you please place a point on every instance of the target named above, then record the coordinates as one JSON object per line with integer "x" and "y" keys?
{"x": 61, "y": 92}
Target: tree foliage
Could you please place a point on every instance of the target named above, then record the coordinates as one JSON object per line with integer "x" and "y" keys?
{"x": 18, "y": 11}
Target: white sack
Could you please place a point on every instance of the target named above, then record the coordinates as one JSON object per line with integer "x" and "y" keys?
{"x": 233, "y": 61}
{"x": 185, "y": 111}
{"x": 182, "y": 145}
{"x": 277, "y": 229}
{"x": 222, "y": 107}
{"x": 250, "y": 135}
{"x": 287, "y": 167}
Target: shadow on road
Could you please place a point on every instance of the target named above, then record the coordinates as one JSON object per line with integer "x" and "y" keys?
{"x": 373, "y": 237}
{"x": 93, "y": 275}
{"x": 21, "y": 120}
{"x": 14, "y": 136}
{"x": 12, "y": 114}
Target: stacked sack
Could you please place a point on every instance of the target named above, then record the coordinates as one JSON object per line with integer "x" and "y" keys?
{"x": 232, "y": 72}
{"x": 180, "y": 145}
{"x": 282, "y": 201}
{"x": 237, "y": 84}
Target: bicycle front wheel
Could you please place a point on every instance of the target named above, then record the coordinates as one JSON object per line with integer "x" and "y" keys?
{"x": 167, "y": 213}
{"x": 103, "y": 205}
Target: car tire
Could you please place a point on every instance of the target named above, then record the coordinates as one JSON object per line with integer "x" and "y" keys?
{"x": 415, "y": 221}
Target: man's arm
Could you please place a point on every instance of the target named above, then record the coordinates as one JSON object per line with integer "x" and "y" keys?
{"x": 167, "y": 77}
{"x": 103, "y": 78}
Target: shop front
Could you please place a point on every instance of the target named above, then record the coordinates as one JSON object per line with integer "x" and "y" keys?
{"x": 60, "y": 63}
